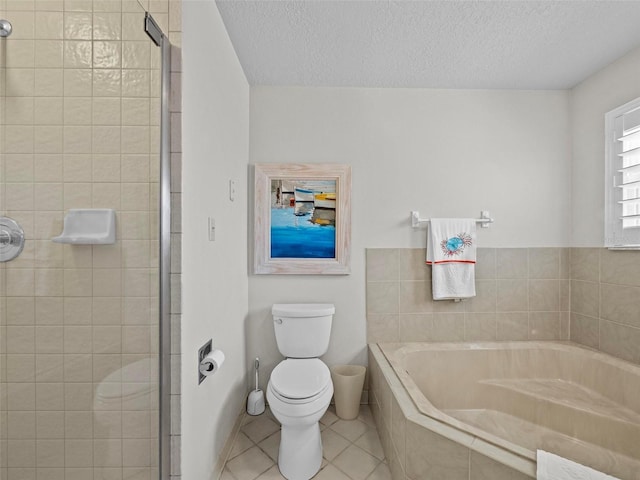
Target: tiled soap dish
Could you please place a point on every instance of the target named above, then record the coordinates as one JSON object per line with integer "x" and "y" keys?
{"x": 85, "y": 226}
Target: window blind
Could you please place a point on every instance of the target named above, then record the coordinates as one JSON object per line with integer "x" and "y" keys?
{"x": 622, "y": 188}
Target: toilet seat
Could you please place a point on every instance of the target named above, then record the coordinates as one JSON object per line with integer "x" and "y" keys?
{"x": 300, "y": 380}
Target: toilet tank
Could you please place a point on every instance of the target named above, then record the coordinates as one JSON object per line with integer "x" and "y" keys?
{"x": 302, "y": 329}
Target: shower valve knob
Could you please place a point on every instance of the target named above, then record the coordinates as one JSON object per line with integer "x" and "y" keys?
{"x": 5, "y": 28}
{"x": 11, "y": 239}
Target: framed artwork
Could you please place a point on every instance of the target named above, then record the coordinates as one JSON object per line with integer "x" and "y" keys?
{"x": 302, "y": 219}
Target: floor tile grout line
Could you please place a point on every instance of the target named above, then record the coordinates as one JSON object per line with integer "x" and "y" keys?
{"x": 369, "y": 427}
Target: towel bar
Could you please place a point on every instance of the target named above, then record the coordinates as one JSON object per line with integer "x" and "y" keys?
{"x": 484, "y": 220}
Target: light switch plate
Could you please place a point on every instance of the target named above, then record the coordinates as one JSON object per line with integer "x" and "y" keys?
{"x": 212, "y": 229}
{"x": 232, "y": 190}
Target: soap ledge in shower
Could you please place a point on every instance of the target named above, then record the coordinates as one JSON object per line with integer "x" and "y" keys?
{"x": 85, "y": 226}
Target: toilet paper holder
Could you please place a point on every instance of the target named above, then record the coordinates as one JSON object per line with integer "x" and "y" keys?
{"x": 203, "y": 351}
{"x": 209, "y": 361}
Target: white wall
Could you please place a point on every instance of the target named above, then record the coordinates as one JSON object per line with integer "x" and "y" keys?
{"x": 216, "y": 139}
{"x": 611, "y": 87}
{"x": 446, "y": 153}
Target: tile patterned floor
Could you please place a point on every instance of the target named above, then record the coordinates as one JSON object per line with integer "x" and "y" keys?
{"x": 351, "y": 449}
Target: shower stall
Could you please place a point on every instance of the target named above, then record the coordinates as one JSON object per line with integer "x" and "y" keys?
{"x": 84, "y": 320}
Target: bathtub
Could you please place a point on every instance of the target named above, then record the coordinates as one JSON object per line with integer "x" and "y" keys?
{"x": 480, "y": 410}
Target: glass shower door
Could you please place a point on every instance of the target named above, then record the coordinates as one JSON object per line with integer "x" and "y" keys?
{"x": 3, "y": 303}
{"x": 79, "y": 129}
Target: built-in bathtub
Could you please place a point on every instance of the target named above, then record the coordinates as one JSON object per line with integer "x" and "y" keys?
{"x": 480, "y": 410}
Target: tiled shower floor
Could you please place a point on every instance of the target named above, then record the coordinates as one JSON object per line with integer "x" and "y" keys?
{"x": 351, "y": 449}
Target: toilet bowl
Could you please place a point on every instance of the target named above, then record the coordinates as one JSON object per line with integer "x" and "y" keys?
{"x": 300, "y": 387}
{"x": 299, "y": 393}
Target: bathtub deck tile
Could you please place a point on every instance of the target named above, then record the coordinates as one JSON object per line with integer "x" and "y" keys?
{"x": 484, "y": 468}
{"x": 430, "y": 455}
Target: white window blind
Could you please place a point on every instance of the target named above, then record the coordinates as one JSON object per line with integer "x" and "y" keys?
{"x": 622, "y": 176}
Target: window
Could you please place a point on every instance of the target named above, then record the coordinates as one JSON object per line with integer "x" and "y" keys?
{"x": 622, "y": 176}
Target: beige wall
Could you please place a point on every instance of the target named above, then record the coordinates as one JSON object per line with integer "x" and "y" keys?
{"x": 443, "y": 152}
{"x": 607, "y": 89}
{"x": 216, "y": 150}
{"x": 601, "y": 316}
{"x": 80, "y": 124}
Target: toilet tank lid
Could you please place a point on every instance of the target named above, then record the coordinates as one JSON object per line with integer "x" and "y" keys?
{"x": 302, "y": 309}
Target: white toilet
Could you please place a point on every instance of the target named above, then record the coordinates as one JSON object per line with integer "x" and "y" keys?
{"x": 300, "y": 387}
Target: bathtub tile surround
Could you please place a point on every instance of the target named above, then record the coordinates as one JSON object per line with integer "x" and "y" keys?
{"x": 430, "y": 455}
{"x": 520, "y": 396}
{"x": 351, "y": 449}
{"x": 587, "y": 295}
{"x": 605, "y": 301}
{"x": 522, "y": 294}
{"x": 418, "y": 447}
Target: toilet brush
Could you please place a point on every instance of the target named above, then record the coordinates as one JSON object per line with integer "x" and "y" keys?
{"x": 255, "y": 402}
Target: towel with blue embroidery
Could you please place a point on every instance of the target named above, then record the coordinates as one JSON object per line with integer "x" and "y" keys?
{"x": 451, "y": 250}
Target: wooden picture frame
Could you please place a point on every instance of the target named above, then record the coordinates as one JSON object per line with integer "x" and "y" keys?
{"x": 302, "y": 223}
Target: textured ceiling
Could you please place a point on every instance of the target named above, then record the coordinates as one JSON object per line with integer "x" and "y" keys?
{"x": 438, "y": 44}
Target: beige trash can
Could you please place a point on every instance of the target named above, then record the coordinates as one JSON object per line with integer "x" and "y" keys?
{"x": 348, "y": 381}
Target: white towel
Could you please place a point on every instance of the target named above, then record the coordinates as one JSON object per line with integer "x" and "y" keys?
{"x": 451, "y": 250}
{"x": 553, "y": 467}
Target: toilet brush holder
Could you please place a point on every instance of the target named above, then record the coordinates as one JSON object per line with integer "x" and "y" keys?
{"x": 255, "y": 402}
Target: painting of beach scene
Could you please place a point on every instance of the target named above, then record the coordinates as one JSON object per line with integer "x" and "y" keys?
{"x": 303, "y": 218}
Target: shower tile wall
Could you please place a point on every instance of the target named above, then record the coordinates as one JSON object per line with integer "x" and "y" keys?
{"x": 175, "y": 37}
{"x": 80, "y": 130}
{"x": 522, "y": 294}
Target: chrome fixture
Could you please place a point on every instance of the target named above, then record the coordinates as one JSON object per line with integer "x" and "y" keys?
{"x": 485, "y": 219}
{"x": 5, "y": 28}
{"x": 11, "y": 239}
{"x": 159, "y": 39}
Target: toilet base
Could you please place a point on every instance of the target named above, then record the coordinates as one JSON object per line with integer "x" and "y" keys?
{"x": 300, "y": 455}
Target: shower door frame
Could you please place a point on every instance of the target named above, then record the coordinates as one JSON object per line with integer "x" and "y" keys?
{"x": 164, "y": 461}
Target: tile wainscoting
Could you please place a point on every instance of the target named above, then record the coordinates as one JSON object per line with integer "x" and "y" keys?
{"x": 587, "y": 295}
{"x": 522, "y": 294}
{"x": 605, "y": 301}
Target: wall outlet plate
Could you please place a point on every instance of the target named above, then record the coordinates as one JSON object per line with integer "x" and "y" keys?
{"x": 202, "y": 353}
